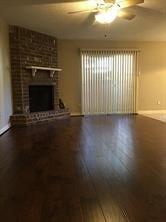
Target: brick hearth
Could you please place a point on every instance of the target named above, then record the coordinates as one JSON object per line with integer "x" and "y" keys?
{"x": 30, "y": 48}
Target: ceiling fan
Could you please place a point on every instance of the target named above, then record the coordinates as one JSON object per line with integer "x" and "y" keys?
{"x": 106, "y": 11}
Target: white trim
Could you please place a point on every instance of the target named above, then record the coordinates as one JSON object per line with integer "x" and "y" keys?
{"x": 44, "y": 68}
{"x": 110, "y": 49}
{"x": 5, "y": 128}
{"x": 108, "y": 114}
{"x": 35, "y": 68}
{"x": 76, "y": 114}
{"x": 144, "y": 112}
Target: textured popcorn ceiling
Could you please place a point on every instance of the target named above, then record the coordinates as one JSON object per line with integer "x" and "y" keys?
{"x": 52, "y": 18}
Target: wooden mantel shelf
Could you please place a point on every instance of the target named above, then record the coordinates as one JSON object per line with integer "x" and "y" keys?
{"x": 35, "y": 68}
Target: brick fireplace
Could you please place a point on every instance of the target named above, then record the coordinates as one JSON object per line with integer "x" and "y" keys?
{"x": 35, "y": 97}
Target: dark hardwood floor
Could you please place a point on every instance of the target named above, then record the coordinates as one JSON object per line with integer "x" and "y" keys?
{"x": 92, "y": 169}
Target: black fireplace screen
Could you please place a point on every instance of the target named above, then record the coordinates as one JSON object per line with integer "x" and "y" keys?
{"x": 41, "y": 98}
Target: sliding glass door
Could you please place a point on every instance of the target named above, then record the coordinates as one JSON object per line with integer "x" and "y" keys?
{"x": 108, "y": 81}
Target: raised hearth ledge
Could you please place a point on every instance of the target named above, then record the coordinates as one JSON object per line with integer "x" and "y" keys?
{"x": 33, "y": 118}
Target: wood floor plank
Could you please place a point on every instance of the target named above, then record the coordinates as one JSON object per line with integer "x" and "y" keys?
{"x": 91, "y": 169}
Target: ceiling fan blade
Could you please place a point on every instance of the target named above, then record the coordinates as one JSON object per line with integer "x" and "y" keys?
{"x": 82, "y": 11}
{"x": 110, "y": 1}
{"x": 126, "y": 15}
{"x": 67, "y": 1}
{"x": 35, "y": 2}
{"x": 128, "y": 3}
{"x": 90, "y": 20}
{"x": 147, "y": 11}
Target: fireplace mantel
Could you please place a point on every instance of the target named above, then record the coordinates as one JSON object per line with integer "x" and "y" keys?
{"x": 35, "y": 68}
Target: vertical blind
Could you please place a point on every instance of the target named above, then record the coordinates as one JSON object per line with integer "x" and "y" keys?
{"x": 109, "y": 81}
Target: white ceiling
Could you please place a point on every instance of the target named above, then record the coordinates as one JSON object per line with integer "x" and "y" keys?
{"x": 52, "y": 18}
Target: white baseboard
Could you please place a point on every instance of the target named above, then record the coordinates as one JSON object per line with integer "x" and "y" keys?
{"x": 146, "y": 112}
{"x": 5, "y": 128}
{"x": 76, "y": 114}
{"x": 141, "y": 112}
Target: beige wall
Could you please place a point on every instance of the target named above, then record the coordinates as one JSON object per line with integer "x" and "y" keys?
{"x": 5, "y": 79}
{"x": 152, "y": 79}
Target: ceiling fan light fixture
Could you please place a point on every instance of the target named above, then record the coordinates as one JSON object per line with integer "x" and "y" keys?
{"x": 109, "y": 15}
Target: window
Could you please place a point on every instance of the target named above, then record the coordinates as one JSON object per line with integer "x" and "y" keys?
{"x": 109, "y": 81}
